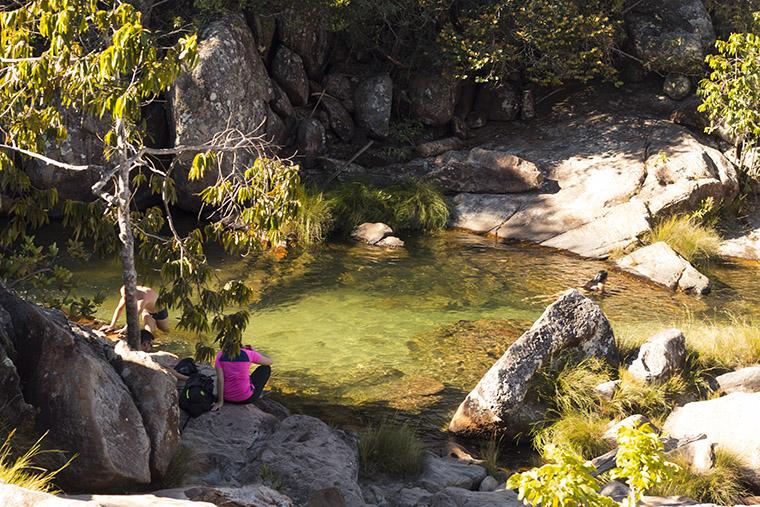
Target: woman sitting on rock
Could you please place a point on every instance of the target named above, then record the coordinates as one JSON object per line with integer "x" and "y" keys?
{"x": 234, "y": 382}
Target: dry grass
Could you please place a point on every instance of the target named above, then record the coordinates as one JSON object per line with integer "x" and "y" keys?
{"x": 21, "y": 470}
{"x": 723, "y": 485}
{"x": 696, "y": 242}
{"x": 580, "y": 432}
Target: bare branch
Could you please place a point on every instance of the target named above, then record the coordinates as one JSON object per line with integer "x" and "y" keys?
{"x": 51, "y": 161}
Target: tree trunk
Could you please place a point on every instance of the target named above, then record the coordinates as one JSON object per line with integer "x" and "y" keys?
{"x": 129, "y": 272}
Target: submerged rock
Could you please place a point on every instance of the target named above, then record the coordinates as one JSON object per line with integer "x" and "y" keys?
{"x": 728, "y": 422}
{"x": 371, "y": 233}
{"x": 660, "y": 357}
{"x": 499, "y": 403}
{"x": 663, "y": 266}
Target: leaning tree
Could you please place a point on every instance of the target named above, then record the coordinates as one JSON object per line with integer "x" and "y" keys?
{"x": 96, "y": 58}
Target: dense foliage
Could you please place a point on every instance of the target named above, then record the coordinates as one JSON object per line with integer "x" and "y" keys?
{"x": 568, "y": 480}
{"x": 731, "y": 93}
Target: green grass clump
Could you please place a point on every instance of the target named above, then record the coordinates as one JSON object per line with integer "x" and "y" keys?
{"x": 21, "y": 470}
{"x": 696, "y": 242}
{"x": 651, "y": 400}
{"x": 394, "y": 449}
{"x": 418, "y": 206}
{"x": 580, "y": 432}
{"x": 314, "y": 220}
{"x": 490, "y": 454}
{"x": 723, "y": 485}
{"x": 412, "y": 206}
{"x": 568, "y": 383}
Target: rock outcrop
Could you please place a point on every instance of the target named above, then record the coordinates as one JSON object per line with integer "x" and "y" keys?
{"x": 671, "y": 35}
{"x": 500, "y": 402}
{"x": 288, "y": 71}
{"x": 608, "y": 175}
{"x": 17, "y": 413}
{"x": 660, "y": 357}
{"x": 663, "y": 266}
{"x": 229, "y": 86}
{"x": 307, "y": 455}
{"x": 307, "y": 37}
{"x": 727, "y": 422}
{"x": 82, "y": 400}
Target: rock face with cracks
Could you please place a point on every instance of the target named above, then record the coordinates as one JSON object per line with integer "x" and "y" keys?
{"x": 499, "y": 401}
{"x": 663, "y": 266}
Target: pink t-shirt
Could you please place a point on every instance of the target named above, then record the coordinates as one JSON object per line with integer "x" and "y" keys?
{"x": 237, "y": 374}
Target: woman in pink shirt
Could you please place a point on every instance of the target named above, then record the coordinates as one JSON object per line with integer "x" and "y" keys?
{"x": 234, "y": 381}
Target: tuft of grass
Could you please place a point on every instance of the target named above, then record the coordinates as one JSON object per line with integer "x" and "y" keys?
{"x": 567, "y": 383}
{"x": 21, "y": 470}
{"x": 723, "y": 485}
{"x": 696, "y": 242}
{"x": 651, "y": 400}
{"x": 314, "y": 220}
{"x": 394, "y": 449}
{"x": 490, "y": 453}
{"x": 580, "y": 432}
{"x": 419, "y": 206}
{"x": 733, "y": 343}
{"x": 414, "y": 205}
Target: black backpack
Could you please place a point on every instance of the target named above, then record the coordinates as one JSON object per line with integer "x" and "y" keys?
{"x": 186, "y": 367}
{"x": 198, "y": 395}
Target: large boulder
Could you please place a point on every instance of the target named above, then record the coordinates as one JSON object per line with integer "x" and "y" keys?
{"x": 218, "y": 444}
{"x": 727, "y": 422}
{"x": 307, "y": 456}
{"x": 81, "y": 399}
{"x": 308, "y": 37}
{"x": 433, "y": 98}
{"x": 154, "y": 391}
{"x": 671, "y": 35}
{"x": 501, "y": 402}
{"x": 373, "y": 98}
{"x": 663, "y": 266}
{"x": 288, "y": 71}
{"x": 370, "y": 233}
{"x": 340, "y": 120}
{"x": 229, "y": 87}
{"x": 660, "y": 357}
{"x": 311, "y": 138}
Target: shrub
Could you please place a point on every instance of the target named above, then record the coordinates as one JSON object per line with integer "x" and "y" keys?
{"x": 580, "y": 432}
{"x": 22, "y": 470}
{"x": 695, "y": 242}
{"x": 723, "y": 485}
{"x": 390, "y": 448}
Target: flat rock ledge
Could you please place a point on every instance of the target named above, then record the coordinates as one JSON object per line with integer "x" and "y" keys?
{"x": 662, "y": 265}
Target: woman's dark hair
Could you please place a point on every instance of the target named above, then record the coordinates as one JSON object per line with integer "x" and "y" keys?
{"x": 146, "y": 336}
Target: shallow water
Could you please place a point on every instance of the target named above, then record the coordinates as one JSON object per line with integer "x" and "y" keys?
{"x": 359, "y": 333}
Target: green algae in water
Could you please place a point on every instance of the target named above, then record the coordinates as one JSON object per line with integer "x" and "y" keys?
{"x": 358, "y": 332}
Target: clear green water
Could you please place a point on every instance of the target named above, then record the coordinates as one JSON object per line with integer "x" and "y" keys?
{"x": 359, "y": 333}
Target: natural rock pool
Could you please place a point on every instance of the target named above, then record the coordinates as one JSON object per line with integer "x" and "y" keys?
{"x": 359, "y": 333}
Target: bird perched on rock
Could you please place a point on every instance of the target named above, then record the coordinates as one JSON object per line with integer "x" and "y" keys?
{"x": 597, "y": 283}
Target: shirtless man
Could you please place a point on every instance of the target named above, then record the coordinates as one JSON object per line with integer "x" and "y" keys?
{"x": 153, "y": 318}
